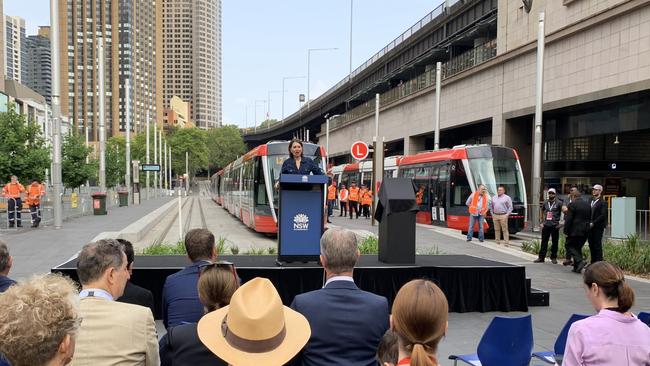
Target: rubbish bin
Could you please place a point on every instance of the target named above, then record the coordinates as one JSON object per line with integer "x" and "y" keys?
{"x": 99, "y": 203}
{"x": 124, "y": 198}
{"x": 396, "y": 212}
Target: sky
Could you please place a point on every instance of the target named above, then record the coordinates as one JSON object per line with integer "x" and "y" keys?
{"x": 266, "y": 41}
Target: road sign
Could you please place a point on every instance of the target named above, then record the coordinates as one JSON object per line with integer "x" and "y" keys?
{"x": 150, "y": 167}
{"x": 359, "y": 150}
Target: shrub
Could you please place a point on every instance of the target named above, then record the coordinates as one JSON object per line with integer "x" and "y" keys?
{"x": 369, "y": 245}
{"x": 234, "y": 249}
{"x": 271, "y": 250}
{"x": 256, "y": 251}
{"x": 165, "y": 249}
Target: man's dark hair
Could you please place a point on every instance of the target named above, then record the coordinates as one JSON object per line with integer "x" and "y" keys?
{"x": 502, "y": 186}
{"x": 199, "y": 244}
{"x": 4, "y": 256}
{"x": 387, "y": 349}
{"x": 95, "y": 258}
{"x": 128, "y": 250}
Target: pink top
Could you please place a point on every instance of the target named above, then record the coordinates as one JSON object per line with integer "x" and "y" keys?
{"x": 608, "y": 338}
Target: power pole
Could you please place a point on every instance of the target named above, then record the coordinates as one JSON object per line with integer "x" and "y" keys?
{"x": 539, "y": 101}
{"x": 127, "y": 97}
{"x": 147, "y": 138}
{"x": 102, "y": 126}
{"x": 57, "y": 179}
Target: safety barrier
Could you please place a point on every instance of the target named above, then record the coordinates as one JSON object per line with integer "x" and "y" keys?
{"x": 5, "y": 213}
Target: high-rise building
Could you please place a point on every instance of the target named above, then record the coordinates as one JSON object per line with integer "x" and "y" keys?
{"x": 192, "y": 57}
{"x": 38, "y": 65}
{"x": 130, "y": 32}
{"x": 2, "y": 59}
{"x": 15, "y": 47}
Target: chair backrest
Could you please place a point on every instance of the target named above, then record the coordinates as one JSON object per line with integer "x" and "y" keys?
{"x": 507, "y": 341}
{"x": 560, "y": 342}
{"x": 644, "y": 317}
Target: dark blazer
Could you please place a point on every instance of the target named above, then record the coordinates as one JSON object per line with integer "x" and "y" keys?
{"x": 346, "y": 325}
{"x": 134, "y": 294}
{"x": 576, "y": 222}
{"x": 182, "y": 346}
{"x": 306, "y": 166}
{"x": 5, "y": 282}
{"x": 181, "y": 297}
{"x": 599, "y": 214}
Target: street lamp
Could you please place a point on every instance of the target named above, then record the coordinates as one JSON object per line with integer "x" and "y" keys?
{"x": 283, "y": 90}
{"x": 309, "y": 51}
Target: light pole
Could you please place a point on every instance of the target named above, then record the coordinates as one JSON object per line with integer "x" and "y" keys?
{"x": 327, "y": 139}
{"x": 57, "y": 178}
{"x": 309, "y": 51}
{"x": 255, "y": 122}
{"x": 268, "y": 104}
{"x": 351, "y": 12}
{"x": 283, "y": 90}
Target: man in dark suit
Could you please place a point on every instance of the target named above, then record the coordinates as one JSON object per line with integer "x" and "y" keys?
{"x": 134, "y": 294}
{"x": 346, "y": 322}
{"x": 576, "y": 228}
{"x": 180, "y": 295}
{"x": 597, "y": 224}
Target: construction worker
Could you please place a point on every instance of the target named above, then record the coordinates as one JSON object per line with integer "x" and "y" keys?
{"x": 353, "y": 204}
{"x": 419, "y": 196}
{"x": 343, "y": 200}
{"x": 366, "y": 201}
{"x": 13, "y": 192}
{"x": 331, "y": 199}
{"x": 34, "y": 193}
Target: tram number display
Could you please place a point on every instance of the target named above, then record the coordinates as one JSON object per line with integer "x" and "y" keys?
{"x": 359, "y": 150}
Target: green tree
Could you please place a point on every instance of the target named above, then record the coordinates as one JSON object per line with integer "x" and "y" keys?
{"x": 192, "y": 140}
{"x": 225, "y": 144}
{"x": 115, "y": 160}
{"x": 74, "y": 169}
{"x": 268, "y": 122}
{"x": 22, "y": 148}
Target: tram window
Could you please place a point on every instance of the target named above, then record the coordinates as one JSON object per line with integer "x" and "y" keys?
{"x": 460, "y": 188}
{"x": 421, "y": 181}
{"x": 260, "y": 188}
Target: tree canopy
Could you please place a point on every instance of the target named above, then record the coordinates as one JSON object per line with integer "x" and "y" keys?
{"x": 74, "y": 169}
{"x": 224, "y": 144}
{"x": 192, "y": 140}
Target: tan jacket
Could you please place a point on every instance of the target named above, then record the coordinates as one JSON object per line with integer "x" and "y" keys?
{"x": 115, "y": 333}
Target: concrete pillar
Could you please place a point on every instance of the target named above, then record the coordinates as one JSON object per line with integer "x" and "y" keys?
{"x": 413, "y": 144}
{"x": 498, "y": 130}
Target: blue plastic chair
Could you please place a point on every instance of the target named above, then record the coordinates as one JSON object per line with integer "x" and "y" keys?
{"x": 560, "y": 343}
{"x": 644, "y": 317}
{"x": 506, "y": 341}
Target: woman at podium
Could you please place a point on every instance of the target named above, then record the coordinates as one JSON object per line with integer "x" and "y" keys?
{"x": 298, "y": 164}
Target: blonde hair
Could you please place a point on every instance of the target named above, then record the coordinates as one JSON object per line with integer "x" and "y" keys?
{"x": 36, "y": 316}
{"x": 420, "y": 313}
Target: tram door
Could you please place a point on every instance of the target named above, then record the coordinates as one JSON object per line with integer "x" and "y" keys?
{"x": 439, "y": 182}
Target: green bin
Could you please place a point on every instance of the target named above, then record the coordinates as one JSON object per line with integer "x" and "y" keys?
{"x": 99, "y": 203}
{"x": 124, "y": 198}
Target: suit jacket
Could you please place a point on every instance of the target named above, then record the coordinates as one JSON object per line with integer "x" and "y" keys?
{"x": 115, "y": 333}
{"x": 346, "y": 325}
{"x": 181, "y": 297}
{"x": 599, "y": 214}
{"x": 136, "y": 295}
{"x": 577, "y": 219}
{"x": 181, "y": 346}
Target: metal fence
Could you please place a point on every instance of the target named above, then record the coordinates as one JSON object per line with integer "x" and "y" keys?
{"x": 76, "y": 204}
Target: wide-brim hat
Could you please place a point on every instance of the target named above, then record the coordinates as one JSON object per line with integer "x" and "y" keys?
{"x": 255, "y": 329}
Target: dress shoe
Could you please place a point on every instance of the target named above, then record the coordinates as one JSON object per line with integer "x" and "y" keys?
{"x": 553, "y": 260}
{"x": 567, "y": 262}
{"x": 539, "y": 260}
{"x": 579, "y": 267}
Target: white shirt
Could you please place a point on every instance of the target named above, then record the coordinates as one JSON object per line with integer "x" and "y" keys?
{"x": 339, "y": 278}
{"x": 95, "y": 292}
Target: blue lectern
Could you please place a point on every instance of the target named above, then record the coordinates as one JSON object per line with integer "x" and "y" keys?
{"x": 301, "y": 217}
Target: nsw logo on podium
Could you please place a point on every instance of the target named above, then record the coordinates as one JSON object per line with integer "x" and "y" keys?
{"x": 301, "y": 222}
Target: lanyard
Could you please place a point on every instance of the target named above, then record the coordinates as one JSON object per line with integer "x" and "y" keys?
{"x": 550, "y": 208}
{"x": 594, "y": 202}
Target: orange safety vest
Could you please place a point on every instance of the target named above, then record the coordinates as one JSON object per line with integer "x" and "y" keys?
{"x": 34, "y": 194}
{"x": 354, "y": 194}
{"x": 419, "y": 197}
{"x": 331, "y": 192}
{"x": 366, "y": 198}
{"x": 12, "y": 190}
{"x": 362, "y": 191}
{"x": 343, "y": 195}
{"x": 473, "y": 206}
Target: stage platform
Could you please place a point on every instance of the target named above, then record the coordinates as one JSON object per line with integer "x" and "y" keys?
{"x": 470, "y": 283}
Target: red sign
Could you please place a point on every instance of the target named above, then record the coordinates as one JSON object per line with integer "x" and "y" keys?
{"x": 359, "y": 150}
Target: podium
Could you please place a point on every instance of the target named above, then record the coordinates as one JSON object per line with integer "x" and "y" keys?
{"x": 301, "y": 220}
{"x": 396, "y": 212}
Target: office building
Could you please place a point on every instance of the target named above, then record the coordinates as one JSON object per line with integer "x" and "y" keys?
{"x": 15, "y": 47}
{"x": 38, "y": 65}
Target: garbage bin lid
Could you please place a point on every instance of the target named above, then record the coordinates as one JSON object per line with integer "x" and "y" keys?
{"x": 99, "y": 194}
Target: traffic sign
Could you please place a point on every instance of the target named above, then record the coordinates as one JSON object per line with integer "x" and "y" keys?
{"x": 359, "y": 150}
{"x": 150, "y": 167}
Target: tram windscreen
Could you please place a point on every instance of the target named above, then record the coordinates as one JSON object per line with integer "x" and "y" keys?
{"x": 494, "y": 172}
{"x": 275, "y": 166}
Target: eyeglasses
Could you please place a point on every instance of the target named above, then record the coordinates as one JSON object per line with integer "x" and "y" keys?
{"x": 228, "y": 266}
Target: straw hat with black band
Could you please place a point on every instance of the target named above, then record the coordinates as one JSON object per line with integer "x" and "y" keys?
{"x": 255, "y": 329}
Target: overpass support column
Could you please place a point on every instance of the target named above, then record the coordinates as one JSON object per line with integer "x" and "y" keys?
{"x": 499, "y": 131}
{"x": 413, "y": 144}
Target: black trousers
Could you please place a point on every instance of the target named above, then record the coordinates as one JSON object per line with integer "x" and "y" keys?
{"x": 36, "y": 212}
{"x": 365, "y": 210}
{"x": 574, "y": 248}
{"x": 14, "y": 207}
{"x": 554, "y": 234}
{"x": 354, "y": 206}
{"x": 344, "y": 208}
{"x": 596, "y": 244}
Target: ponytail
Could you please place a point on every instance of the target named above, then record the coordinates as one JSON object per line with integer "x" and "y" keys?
{"x": 625, "y": 297}
{"x": 610, "y": 278}
{"x": 420, "y": 356}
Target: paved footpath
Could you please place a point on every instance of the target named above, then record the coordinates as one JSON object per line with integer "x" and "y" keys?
{"x": 38, "y": 250}
{"x": 567, "y": 295}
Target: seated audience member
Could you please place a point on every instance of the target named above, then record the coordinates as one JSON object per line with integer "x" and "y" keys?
{"x": 387, "y": 349}
{"x": 614, "y": 336}
{"x": 5, "y": 265}
{"x": 39, "y": 321}
{"x": 255, "y": 329}
{"x": 181, "y": 345}
{"x": 112, "y": 333}
{"x": 134, "y": 294}
{"x": 347, "y": 323}
{"x": 180, "y": 296}
{"x": 419, "y": 318}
